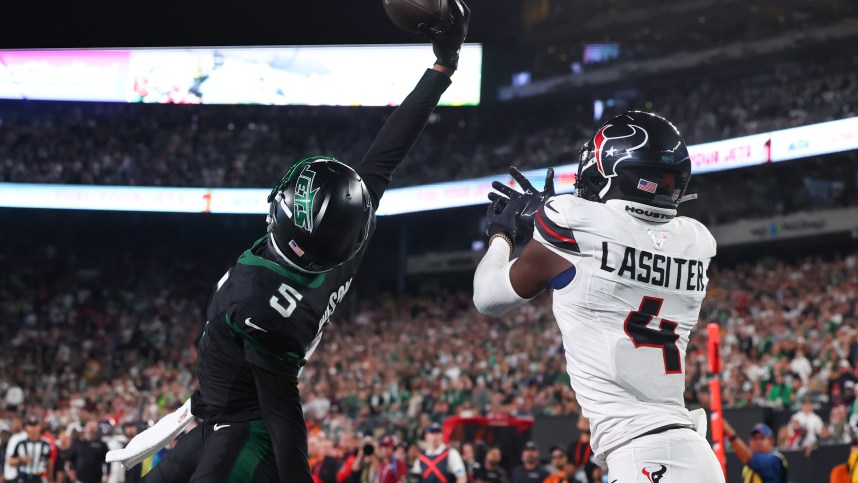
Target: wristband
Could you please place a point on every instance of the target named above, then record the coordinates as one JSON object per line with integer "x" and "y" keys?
{"x": 505, "y": 238}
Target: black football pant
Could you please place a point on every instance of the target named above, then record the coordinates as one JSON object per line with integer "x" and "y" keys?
{"x": 225, "y": 452}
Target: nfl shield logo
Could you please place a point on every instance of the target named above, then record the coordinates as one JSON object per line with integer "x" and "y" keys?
{"x": 658, "y": 238}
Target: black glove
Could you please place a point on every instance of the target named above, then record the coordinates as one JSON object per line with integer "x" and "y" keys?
{"x": 448, "y": 37}
{"x": 513, "y": 214}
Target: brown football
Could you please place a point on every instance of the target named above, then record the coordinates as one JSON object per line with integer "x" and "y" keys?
{"x": 408, "y": 14}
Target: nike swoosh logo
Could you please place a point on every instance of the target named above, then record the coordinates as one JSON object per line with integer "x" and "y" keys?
{"x": 220, "y": 426}
{"x": 615, "y": 481}
{"x": 548, "y": 205}
{"x": 248, "y": 323}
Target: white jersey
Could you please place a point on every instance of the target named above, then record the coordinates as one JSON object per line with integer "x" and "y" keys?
{"x": 627, "y": 314}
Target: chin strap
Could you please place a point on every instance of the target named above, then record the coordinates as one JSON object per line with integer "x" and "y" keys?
{"x": 690, "y": 197}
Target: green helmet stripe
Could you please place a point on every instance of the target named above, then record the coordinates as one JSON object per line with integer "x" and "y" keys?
{"x": 291, "y": 173}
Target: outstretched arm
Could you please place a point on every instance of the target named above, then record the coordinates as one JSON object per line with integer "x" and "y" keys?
{"x": 400, "y": 132}
{"x": 404, "y": 126}
{"x": 501, "y": 285}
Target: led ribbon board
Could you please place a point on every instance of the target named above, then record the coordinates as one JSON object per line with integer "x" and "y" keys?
{"x": 777, "y": 146}
{"x": 301, "y": 75}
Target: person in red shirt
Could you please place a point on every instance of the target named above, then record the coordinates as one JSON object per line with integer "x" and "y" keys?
{"x": 348, "y": 445}
{"x": 393, "y": 469}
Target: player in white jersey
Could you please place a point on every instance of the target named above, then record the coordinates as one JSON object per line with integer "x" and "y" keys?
{"x": 629, "y": 277}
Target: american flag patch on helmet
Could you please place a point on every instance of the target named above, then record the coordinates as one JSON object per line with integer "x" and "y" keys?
{"x": 295, "y": 248}
{"x": 647, "y": 186}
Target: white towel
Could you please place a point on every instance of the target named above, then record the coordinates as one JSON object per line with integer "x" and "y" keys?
{"x": 153, "y": 439}
{"x": 698, "y": 418}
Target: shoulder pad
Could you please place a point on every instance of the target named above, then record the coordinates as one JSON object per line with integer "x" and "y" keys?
{"x": 551, "y": 226}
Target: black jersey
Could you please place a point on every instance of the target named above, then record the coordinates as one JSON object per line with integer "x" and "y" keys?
{"x": 264, "y": 320}
{"x": 266, "y": 315}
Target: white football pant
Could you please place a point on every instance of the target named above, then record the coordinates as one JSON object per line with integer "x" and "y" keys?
{"x": 674, "y": 456}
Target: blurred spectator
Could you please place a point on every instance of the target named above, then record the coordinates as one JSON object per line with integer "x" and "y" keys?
{"x": 365, "y": 466}
{"x": 85, "y": 457}
{"x": 762, "y": 461}
{"x": 14, "y": 397}
{"x": 491, "y": 471}
{"x": 806, "y": 424}
{"x": 530, "y": 469}
{"x": 393, "y": 469}
{"x": 469, "y": 458}
{"x": 129, "y": 431}
{"x": 580, "y": 453}
{"x": 838, "y": 430}
{"x": 561, "y": 470}
{"x": 439, "y": 462}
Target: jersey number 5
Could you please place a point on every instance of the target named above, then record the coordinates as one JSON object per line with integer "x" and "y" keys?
{"x": 664, "y": 338}
{"x": 290, "y": 296}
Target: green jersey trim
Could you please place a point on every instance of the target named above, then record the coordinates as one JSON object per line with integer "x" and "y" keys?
{"x": 255, "y": 448}
{"x": 248, "y": 258}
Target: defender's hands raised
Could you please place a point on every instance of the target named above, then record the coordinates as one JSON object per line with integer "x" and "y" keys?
{"x": 447, "y": 39}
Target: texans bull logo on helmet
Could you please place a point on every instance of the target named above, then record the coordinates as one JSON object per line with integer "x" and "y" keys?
{"x": 607, "y": 155}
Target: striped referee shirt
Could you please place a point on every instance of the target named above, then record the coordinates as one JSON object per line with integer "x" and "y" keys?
{"x": 39, "y": 452}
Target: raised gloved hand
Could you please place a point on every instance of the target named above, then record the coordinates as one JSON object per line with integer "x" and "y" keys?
{"x": 513, "y": 214}
{"x": 447, "y": 38}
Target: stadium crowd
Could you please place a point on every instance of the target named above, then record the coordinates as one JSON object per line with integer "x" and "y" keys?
{"x": 246, "y": 146}
{"x": 555, "y": 41}
{"x": 117, "y": 343}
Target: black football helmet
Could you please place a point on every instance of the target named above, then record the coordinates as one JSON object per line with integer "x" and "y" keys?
{"x": 320, "y": 214}
{"x": 636, "y": 156}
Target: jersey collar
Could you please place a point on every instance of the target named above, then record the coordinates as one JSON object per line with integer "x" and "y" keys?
{"x": 642, "y": 211}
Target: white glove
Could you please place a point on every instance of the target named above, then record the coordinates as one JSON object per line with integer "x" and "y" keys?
{"x": 153, "y": 439}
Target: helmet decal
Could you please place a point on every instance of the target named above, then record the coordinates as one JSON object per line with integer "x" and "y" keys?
{"x": 304, "y": 195}
{"x": 603, "y": 156}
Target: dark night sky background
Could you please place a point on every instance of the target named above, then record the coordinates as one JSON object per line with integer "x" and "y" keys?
{"x": 97, "y": 23}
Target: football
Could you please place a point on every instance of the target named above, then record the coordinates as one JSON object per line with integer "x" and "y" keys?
{"x": 408, "y": 14}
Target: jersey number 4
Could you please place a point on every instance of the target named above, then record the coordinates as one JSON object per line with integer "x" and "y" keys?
{"x": 664, "y": 338}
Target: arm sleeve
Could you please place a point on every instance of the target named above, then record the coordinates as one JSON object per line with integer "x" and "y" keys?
{"x": 493, "y": 291}
{"x": 345, "y": 470}
{"x": 20, "y": 449}
{"x": 455, "y": 464}
{"x": 10, "y": 451}
{"x": 71, "y": 454}
{"x": 399, "y": 133}
{"x": 280, "y": 405}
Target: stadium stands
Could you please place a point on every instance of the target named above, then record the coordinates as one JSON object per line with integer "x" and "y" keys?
{"x": 248, "y": 146}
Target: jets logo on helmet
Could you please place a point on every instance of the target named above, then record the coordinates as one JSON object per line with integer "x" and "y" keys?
{"x": 304, "y": 196}
{"x": 638, "y": 136}
{"x": 320, "y": 215}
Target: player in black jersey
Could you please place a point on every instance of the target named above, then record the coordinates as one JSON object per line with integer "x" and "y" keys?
{"x": 268, "y": 312}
